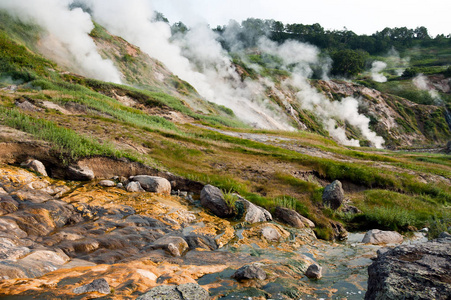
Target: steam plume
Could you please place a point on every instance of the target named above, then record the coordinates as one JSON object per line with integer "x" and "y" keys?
{"x": 67, "y": 34}
{"x": 376, "y": 68}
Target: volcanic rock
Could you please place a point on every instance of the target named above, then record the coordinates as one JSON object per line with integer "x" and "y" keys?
{"x": 292, "y": 218}
{"x": 314, "y": 272}
{"x": 419, "y": 271}
{"x": 36, "y": 166}
{"x": 333, "y": 195}
{"x": 99, "y": 285}
{"x": 249, "y": 272}
{"x": 212, "y": 198}
{"x": 188, "y": 291}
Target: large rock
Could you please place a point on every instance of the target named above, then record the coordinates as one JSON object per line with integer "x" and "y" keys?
{"x": 36, "y": 166}
{"x": 314, "y": 271}
{"x": 173, "y": 244}
{"x": 153, "y": 184}
{"x": 188, "y": 291}
{"x": 99, "y": 285}
{"x": 212, "y": 198}
{"x": 253, "y": 213}
{"x": 379, "y": 237}
{"x": 249, "y": 272}
{"x": 420, "y": 271}
{"x": 292, "y": 218}
{"x": 333, "y": 195}
{"x": 201, "y": 242}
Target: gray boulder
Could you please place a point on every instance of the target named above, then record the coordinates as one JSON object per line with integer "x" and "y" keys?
{"x": 153, "y": 184}
{"x": 212, "y": 198}
{"x": 379, "y": 237}
{"x": 249, "y": 272}
{"x": 254, "y": 213}
{"x": 99, "y": 285}
{"x": 419, "y": 271}
{"x": 201, "y": 242}
{"x": 173, "y": 244}
{"x": 292, "y": 218}
{"x": 36, "y": 166}
{"x": 188, "y": 291}
{"x": 333, "y": 195}
{"x": 133, "y": 187}
{"x": 314, "y": 272}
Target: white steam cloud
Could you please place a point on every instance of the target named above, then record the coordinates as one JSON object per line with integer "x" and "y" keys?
{"x": 197, "y": 58}
{"x": 422, "y": 83}
{"x": 67, "y": 34}
{"x": 376, "y": 68}
{"x": 398, "y": 63}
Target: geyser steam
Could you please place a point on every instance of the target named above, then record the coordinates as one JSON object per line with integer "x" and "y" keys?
{"x": 67, "y": 34}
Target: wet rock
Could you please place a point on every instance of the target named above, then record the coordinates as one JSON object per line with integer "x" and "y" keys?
{"x": 7, "y": 204}
{"x": 419, "y": 271}
{"x": 173, "y": 244}
{"x": 9, "y": 228}
{"x": 254, "y": 213}
{"x": 99, "y": 285}
{"x": 35, "y": 196}
{"x": 36, "y": 166}
{"x": 333, "y": 195}
{"x": 379, "y": 237}
{"x": 36, "y": 264}
{"x": 188, "y": 291}
{"x": 292, "y": 218}
{"x": 201, "y": 242}
{"x": 271, "y": 234}
{"x": 314, "y": 272}
{"x": 153, "y": 184}
{"x": 212, "y": 198}
{"x": 249, "y": 272}
{"x": 9, "y": 249}
{"x": 107, "y": 183}
{"x": 134, "y": 187}
{"x": 80, "y": 173}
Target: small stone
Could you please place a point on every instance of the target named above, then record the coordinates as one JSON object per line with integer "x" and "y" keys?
{"x": 271, "y": 234}
{"x": 80, "y": 173}
{"x": 36, "y": 166}
{"x": 314, "y": 272}
{"x": 249, "y": 272}
{"x": 107, "y": 183}
{"x": 173, "y": 244}
{"x": 98, "y": 285}
{"x": 133, "y": 187}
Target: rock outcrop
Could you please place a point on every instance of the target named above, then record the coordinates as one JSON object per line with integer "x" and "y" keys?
{"x": 212, "y": 199}
{"x": 379, "y": 237}
{"x": 292, "y": 218}
{"x": 333, "y": 195}
{"x": 420, "y": 271}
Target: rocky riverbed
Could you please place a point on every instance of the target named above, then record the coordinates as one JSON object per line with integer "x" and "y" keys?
{"x": 83, "y": 240}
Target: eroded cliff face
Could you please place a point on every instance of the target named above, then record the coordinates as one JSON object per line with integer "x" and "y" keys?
{"x": 399, "y": 121}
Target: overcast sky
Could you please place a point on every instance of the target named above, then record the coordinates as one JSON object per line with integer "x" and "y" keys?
{"x": 360, "y": 16}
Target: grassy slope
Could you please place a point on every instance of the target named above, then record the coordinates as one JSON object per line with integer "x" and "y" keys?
{"x": 264, "y": 173}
